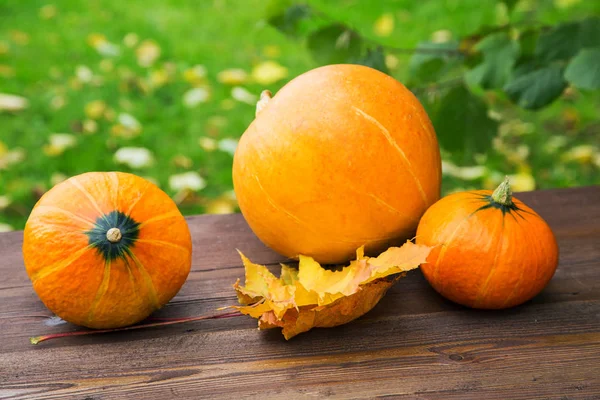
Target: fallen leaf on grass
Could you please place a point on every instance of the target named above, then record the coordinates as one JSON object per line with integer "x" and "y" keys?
{"x": 187, "y": 181}
{"x": 59, "y": 142}
{"x": 5, "y": 227}
{"x": 269, "y": 72}
{"x": 232, "y": 76}
{"x": 134, "y": 157}
{"x": 147, "y": 53}
{"x": 314, "y": 297}
{"x": 102, "y": 45}
{"x": 11, "y": 102}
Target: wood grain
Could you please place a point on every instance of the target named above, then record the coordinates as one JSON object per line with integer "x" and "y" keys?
{"x": 413, "y": 345}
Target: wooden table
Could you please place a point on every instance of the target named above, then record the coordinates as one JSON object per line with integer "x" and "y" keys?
{"x": 413, "y": 345}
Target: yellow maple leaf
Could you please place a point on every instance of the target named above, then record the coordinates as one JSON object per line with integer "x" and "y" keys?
{"x": 311, "y": 296}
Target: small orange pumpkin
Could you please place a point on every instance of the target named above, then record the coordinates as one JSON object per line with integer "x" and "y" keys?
{"x": 342, "y": 156}
{"x": 106, "y": 249}
{"x": 491, "y": 251}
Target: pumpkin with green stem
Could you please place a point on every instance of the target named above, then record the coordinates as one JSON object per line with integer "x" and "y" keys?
{"x": 106, "y": 249}
{"x": 491, "y": 251}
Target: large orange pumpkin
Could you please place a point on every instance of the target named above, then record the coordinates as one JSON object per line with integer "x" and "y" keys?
{"x": 342, "y": 156}
{"x": 490, "y": 250}
{"x": 106, "y": 249}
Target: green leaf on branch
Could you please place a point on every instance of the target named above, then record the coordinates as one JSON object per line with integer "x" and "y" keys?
{"x": 334, "y": 44}
{"x": 564, "y": 41}
{"x": 286, "y": 16}
{"x": 584, "y": 69}
{"x": 375, "y": 58}
{"x": 430, "y": 60}
{"x": 510, "y": 4}
{"x": 523, "y": 68}
{"x": 462, "y": 123}
{"x": 527, "y": 42}
{"x": 500, "y": 53}
{"x": 536, "y": 89}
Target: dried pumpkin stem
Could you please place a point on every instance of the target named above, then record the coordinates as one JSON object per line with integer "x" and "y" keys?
{"x": 174, "y": 321}
{"x": 114, "y": 235}
{"x": 265, "y": 96}
{"x": 503, "y": 193}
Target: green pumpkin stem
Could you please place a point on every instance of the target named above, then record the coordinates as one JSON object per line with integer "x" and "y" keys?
{"x": 503, "y": 193}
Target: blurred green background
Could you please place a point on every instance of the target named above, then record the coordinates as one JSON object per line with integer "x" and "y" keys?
{"x": 164, "y": 89}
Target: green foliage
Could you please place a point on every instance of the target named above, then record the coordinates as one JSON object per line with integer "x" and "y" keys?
{"x": 536, "y": 89}
{"x": 462, "y": 120}
{"x": 584, "y": 69}
{"x": 334, "y": 44}
{"x": 288, "y": 17}
{"x": 500, "y": 54}
{"x": 563, "y": 41}
{"x": 432, "y": 60}
{"x": 510, "y": 4}
{"x": 375, "y": 58}
{"x": 524, "y": 63}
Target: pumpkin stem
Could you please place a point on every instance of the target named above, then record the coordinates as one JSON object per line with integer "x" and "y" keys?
{"x": 503, "y": 193}
{"x": 114, "y": 235}
{"x": 265, "y": 96}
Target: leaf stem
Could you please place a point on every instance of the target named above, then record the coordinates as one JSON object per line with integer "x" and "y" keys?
{"x": 448, "y": 84}
{"x": 164, "y": 322}
{"x": 449, "y": 52}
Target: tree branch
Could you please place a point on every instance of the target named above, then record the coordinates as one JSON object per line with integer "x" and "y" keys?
{"x": 450, "y": 83}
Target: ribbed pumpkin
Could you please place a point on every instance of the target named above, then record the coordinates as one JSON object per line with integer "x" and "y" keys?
{"x": 106, "y": 249}
{"x": 491, "y": 251}
{"x": 342, "y": 156}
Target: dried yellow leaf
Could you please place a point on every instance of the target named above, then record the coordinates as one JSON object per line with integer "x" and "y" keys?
{"x": 269, "y": 72}
{"x": 311, "y": 296}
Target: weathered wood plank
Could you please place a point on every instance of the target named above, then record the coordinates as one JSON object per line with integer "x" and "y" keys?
{"x": 414, "y": 344}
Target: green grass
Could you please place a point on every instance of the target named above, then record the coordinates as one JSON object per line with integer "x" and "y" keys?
{"x": 40, "y": 54}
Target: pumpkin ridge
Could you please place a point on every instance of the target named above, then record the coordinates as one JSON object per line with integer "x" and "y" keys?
{"x": 484, "y": 288}
{"x": 432, "y": 138}
{"x": 161, "y": 217}
{"x": 64, "y": 226}
{"x": 305, "y": 224}
{"x": 396, "y": 146}
{"x": 520, "y": 281}
{"x": 492, "y": 204}
{"x": 483, "y": 207}
{"x": 64, "y": 263}
{"x": 115, "y": 192}
{"x": 65, "y": 212}
{"x": 102, "y": 288}
{"x": 136, "y": 201}
{"x": 517, "y": 213}
{"x": 162, "y": 242}
{"x": 450, "y": 238}
{"x": 147, "y": 279}
{"x": 522, "y": 210}
{"x": 383, "y": 202}
{"x": 447, "y": 244}
{"x": 131, "y": 277}
{"x": 73, "y": 181}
